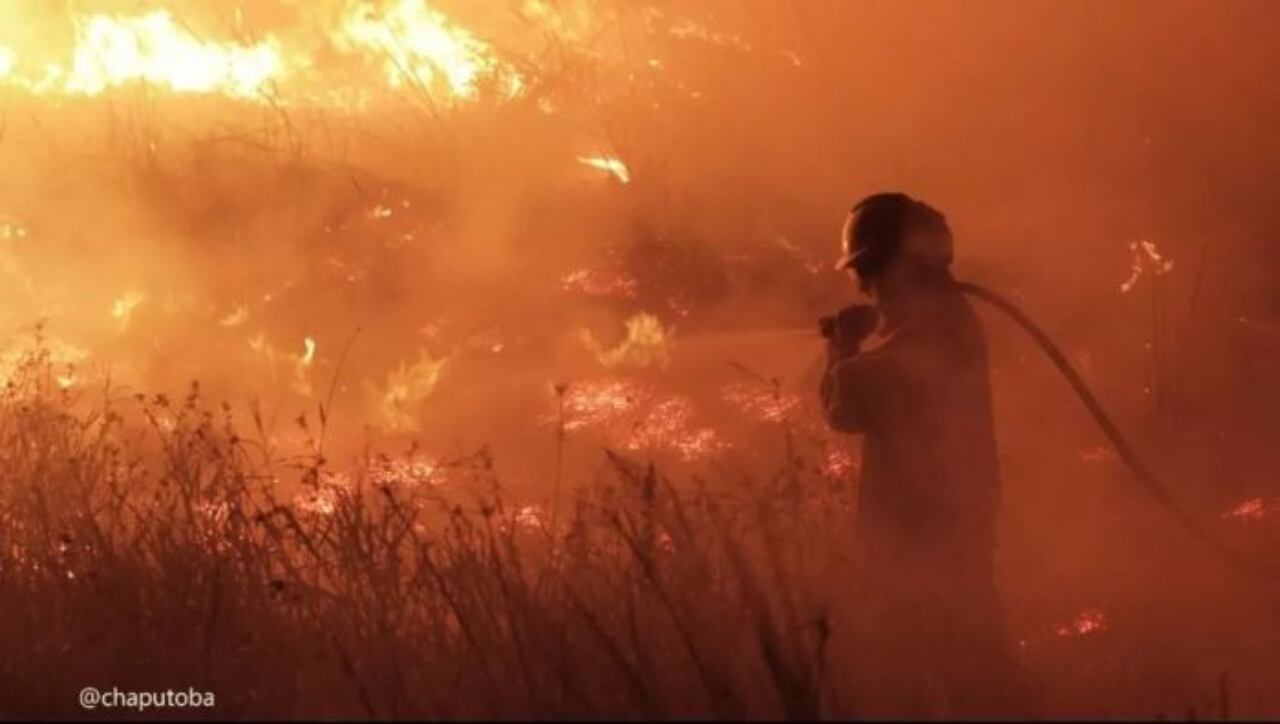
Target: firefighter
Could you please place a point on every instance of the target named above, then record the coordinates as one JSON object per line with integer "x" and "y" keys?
{"x": 929, "y": 625}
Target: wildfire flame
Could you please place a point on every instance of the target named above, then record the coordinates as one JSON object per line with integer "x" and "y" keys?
{"x": 407, "y": 387}
{"x": 644, "y": 345}
{"x": 152, "y": 48}
{"x": 423, "y": 49}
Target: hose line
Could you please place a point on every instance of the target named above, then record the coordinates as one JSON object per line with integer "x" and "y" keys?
{"x": 1128, "y": 455}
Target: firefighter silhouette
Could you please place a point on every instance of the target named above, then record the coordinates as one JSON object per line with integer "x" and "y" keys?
{"x": 929, "y": 628}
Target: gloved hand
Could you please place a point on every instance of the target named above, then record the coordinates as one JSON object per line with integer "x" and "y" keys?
{"x": 846, "y": 329}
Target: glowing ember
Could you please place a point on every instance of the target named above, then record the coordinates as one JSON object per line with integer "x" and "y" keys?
{"x": 1253, "y": 509}
{"x": 407, "y": 472}
{"x": 1146, "y": 258}
{"x": 587, "y": 404}
{"x": 407, "y": 388}
{"x": 837, "y": 464}
{"x": 530, "y": 516}
{"x": 1087, "y": 623}
{"x": 597, "y": 283}
{"x": 325, "y": 498}
{"x": 669, "y": 425}
{"x": 645, "y": 345}
{"x": 423, "y": 49}
{"x": 152, "y": 48}
{"x": 763, "y": 404}
{"x": 613, "y": 166}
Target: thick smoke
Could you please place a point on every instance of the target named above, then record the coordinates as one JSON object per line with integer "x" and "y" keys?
{"x": 448, "y": 261}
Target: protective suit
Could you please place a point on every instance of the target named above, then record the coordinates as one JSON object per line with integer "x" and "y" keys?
{"x": 929, "y": 623}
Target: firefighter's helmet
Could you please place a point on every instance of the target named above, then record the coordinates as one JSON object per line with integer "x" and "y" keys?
{"x": 886, "y": 225}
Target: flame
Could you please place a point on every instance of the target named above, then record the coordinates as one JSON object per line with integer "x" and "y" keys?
{"x": 645, "y": 344}
{"x": 8, "y": 61}
{"x": 122, "y": 308}
{"x": 302, "y": 367}
{"x": 152, "y": 48}
{"x": 63, "y": 356}
{"x": 424, "y": 49}
{"x": 1145, "y": 258}
{"x": 407, "y": 387}
{"x": 608, "y": 164}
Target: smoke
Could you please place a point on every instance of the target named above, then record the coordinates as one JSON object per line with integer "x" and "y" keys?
{"x": 442, "y": 250}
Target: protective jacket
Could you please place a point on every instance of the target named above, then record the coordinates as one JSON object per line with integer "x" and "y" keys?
{"x": 928, "y": 492}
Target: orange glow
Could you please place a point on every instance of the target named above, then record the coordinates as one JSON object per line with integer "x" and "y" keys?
{"x": 122, "y": 308}
{"x": 761, "y": 403}
{"x": 152, "y": 48}
{"x": 1087, "y": 623}
{"x": 591, "y": 403}
{"x": 670, "y": 425}
{"x": 422, "y": 48}
{"x": 598, "y": 283}
{"x": 646, "y": 344}
{"x": 612, "y": 166}
{"x": 332, "y": 293}
{"x": 302, "y": 367}
{"x": 406, "y": 388}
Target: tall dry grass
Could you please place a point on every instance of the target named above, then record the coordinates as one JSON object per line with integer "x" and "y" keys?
{"x": 149, "y": 543}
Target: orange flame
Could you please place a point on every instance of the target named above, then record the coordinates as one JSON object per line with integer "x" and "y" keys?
{"x": 423, "y": 48}
{"x": 153, "y": 49}
{"x": 644, "y": 345}
{"x": 613, "y": 166}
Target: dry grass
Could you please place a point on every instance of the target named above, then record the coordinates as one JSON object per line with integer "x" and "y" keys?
{"x": 147, "y": 545}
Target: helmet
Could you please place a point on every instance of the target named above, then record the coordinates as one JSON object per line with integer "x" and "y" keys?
{"x": 883, "y": 226}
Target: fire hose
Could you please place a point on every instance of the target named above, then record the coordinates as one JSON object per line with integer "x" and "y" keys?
{"x": 1152, "y": 484}
{"x": 857, "y": 321}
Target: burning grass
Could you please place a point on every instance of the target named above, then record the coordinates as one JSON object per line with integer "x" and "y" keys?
{"x": 153, "y": 542}
{"x": 555, "y": 223}
{"x": 150, "y": 541}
